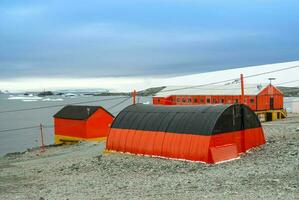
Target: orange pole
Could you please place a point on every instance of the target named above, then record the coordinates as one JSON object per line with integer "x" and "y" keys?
{"x": 42, "y": 138}
{"x": 242, "y": 89}
{"x": 134, "y": 97}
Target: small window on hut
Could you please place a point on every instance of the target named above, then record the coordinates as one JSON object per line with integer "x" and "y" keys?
{"x": 222, "y": 100}
{"x": 178, "y": 100}
{"x": 214, "y": 100}
{"x": 208, "y": 100}
{"x": 251, "y": 101}
{"x": 189, "y": 100}
{"x": 236, "y": 101}
{"x": 195, "y": 100}
{"x": 202, "y": 100}
{"x": 184, "y": 100}
{"x": 159, "y": 100}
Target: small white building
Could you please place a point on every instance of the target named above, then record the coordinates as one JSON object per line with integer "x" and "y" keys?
{"x": 291, "y": 104}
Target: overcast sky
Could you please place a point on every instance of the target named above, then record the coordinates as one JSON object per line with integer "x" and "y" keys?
{"x": 143, "y": 37}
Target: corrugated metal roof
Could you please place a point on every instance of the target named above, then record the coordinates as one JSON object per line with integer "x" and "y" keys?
{"x": 231, "y": 89}
{"x": 199, "y": 119}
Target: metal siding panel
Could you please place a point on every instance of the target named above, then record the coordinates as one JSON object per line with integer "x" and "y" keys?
{"x": 149, "y": 142}
{"x": 184, "y": 147}
{"x": 158, "y": 143}
{"x": 129, "y": 140}
{"x": 199, "y": 147}
{"x": 136, "y": 141}
{"x": 175, "y": 146}
{"x": 116, "y": 142}
{"x": 122, "y": 139}
{"x": 111, "y": 139}
{"x": 167, "y": 144}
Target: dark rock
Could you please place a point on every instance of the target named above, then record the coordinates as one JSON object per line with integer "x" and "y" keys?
{"x": 14, "y": 154}
{"x": 45, "y": 93}
{"x": 99, "y": 157}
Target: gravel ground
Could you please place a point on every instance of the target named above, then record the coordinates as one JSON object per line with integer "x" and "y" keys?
{"x": 82, "y": 171}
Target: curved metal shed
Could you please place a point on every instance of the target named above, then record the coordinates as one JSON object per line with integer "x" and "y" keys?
{"x": 200, "y": 120}
{"x": 208, "y": 133}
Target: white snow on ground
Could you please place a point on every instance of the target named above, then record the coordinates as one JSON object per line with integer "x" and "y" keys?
{"x": 209, "y": 77}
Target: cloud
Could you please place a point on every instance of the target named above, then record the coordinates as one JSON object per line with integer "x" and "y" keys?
{"x": 151, "y": 38}
{"x": 23, "y": 11}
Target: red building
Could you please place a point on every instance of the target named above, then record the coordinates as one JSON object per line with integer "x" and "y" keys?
{"x": 205, "y": 133}
{"x": 266, "y": 100}
{"x": 81, "y": 123}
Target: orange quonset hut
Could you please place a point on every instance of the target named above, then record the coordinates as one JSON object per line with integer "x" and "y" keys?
{"x": 207, "y": 133}
{"x": 265, "y": 99}
{"x": 81, "y": 123}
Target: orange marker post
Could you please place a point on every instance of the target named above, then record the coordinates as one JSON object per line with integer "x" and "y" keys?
{"x": 134, "y": 97}
{"x": 42, "y": 138}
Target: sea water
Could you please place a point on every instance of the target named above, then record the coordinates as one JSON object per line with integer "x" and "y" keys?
{"x": 20, "y": 140}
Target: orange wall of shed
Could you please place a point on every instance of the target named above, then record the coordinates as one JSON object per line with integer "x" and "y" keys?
{"x": 95, "y": 126}
{"x": 98, "y": 124}
{"x": 203, "y": 148}
{"x": 69, "y": 127}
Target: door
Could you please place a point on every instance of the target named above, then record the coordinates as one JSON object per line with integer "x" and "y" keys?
{"x": 271, "y": 103}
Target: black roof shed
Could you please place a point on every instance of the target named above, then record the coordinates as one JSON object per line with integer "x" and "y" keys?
{"x": 199, "y": 119}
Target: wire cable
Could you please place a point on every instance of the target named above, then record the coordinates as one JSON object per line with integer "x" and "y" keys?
{"x": 52, "y": 126}
{"x": 229, "y": 80}
{"x": 18, "y": 129}
{"x": 273, "y": 71}
{"x": 114, "y": 106}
